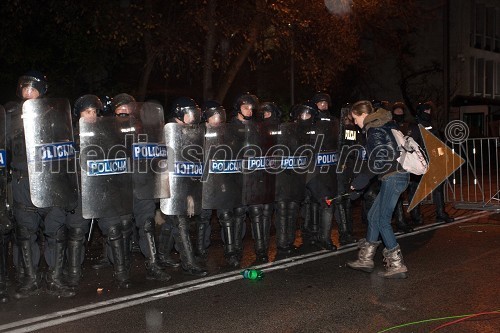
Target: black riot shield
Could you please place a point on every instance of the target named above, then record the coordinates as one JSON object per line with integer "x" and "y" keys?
{"x": 259, "y": 166}
{"x": 149, "y": 153}
{"x": 50, "y": 150}
{"x": 322, "y": 182}
{"x": 295, "y": 154}
{"x": 185, "y": 168}
{"x": 3, "y": 171}
{"x": 350, "y": 150}
{"x": 222, "y": 177}
{"x": 105, "y": 149}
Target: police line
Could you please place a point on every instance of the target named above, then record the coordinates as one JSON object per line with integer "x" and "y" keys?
{"x": 122, "y": 160}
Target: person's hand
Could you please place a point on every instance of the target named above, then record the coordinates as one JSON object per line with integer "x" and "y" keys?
{"x": 360, "y": 182}
{"x": 355, "y": 195}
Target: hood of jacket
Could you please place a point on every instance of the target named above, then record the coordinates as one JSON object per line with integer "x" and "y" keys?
{"x": 377, "y": 119}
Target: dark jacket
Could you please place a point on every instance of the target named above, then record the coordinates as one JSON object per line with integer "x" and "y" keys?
{"x": 381, "y": 146}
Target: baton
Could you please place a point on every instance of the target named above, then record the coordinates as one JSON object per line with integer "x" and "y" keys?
{"x": 329, "y": 200}
{"x": 90, "y": 230}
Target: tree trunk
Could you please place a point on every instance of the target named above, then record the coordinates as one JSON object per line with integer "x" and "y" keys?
{"x": 150, "y": 60}
{"x": 208, "y": 69}
{"x": 236, "y": 64}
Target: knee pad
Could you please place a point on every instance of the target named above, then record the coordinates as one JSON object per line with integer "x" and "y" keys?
{"x": 76, "y": 233}
{"x": 22, "y": 233}
{"x": 225, "y": 215}
{"x": 255, "y": 210}
{"x": 149, "y": 225}
{"x": 240, "y": 211}
{"x": 114, "y": 232}
{"x": 61, "y": 234}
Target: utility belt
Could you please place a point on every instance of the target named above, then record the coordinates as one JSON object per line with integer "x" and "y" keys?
{"x": 31, "y": 209}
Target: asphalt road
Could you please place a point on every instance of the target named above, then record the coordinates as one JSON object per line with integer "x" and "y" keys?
{"x": 454, "y": 271}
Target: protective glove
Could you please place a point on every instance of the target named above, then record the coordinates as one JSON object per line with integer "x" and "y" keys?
{"x": 355, "y": 195}
{"x": 361, "y": 181}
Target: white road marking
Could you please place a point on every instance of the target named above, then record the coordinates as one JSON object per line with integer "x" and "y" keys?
{"x": 90, "y": 310}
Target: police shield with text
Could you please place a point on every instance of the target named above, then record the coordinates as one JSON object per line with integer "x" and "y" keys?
{"x": 221, "y": 179}
{"x": 88, "y": 107}
{"x": 28, "y": 217}
{"x": 105, "y": 169}
{"x": 5, "y": 221}
{"x": 184, "y": 137}
{"x": 322, "y": 183}
{"x": 149, "y": 162}
{"x": 290, "y": 182}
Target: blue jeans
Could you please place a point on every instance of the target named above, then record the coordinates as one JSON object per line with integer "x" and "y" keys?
{"x": 380, "y": 214}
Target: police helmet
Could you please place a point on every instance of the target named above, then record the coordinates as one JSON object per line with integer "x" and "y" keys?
{"x": 33, "y": 79}
{"x": 322, "y": 97}
{"x": 272, "y": 108}
{"x": 246, "y": 98}
{"x": 213, "y": 109}
{"x": 87, "y": 101}
{"x": 183, "y": 106}
{"x": 301, "y": 111}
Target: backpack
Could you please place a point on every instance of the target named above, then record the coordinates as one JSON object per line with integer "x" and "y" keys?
{"x": 412, "y": 158}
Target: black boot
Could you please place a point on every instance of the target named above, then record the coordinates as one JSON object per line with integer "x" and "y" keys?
{"x": 325, "y": 233}
{"x": 134, "y": 240}
{"x": 182, "y": 239}
{"x": 291, "y": 224}
{"x": 258, "y": 234}
{"x": 267, "y": 215}
{"x": 127, "y": 232}
{"x": 165, "y": 246}
{"x": 153, "y": 271}
{"x": 121, "y": 271}
{"x": 202, "y": 225}
{"x": 4, "y": 296}
{"x": 416, "y": 216}
{"x": 312, "y": 235}
{"x": 75, "y": 253}
{"x": 341, "y": 217}
{"x": 305, "y": 228}
{"x": 438, "y": 197}
{"x": 239, "y": 224}
{"x": 400, "y": 218}
{"x": 280, "y": 222}
{"x": 54, "y": 277}
{"x": 104, "y": 261}
{"x": 226, "y": 221}
{"x": 29, "y": 284}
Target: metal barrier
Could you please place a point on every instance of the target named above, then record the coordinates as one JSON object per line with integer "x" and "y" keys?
{"x": 476, "y": 184}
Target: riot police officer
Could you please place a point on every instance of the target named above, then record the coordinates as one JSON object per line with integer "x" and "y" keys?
{"x": 244, "y": 108}
{"x": 87, "y": 107}
{"x": 6, "y": 224}
{"x": 29, "y": 218}
{"x": 322, "y": 183}
{"x": 185, "y": 111}
{"x": 213, "y": 114}
{"x": 143, "y": 209}
{"x": 424, "y": 118}
{"x": 270, "y": 112}
{"x": 349, "y": 140}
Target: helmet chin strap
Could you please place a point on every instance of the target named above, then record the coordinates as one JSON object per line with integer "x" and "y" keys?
{"x": 245, "y": 117}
